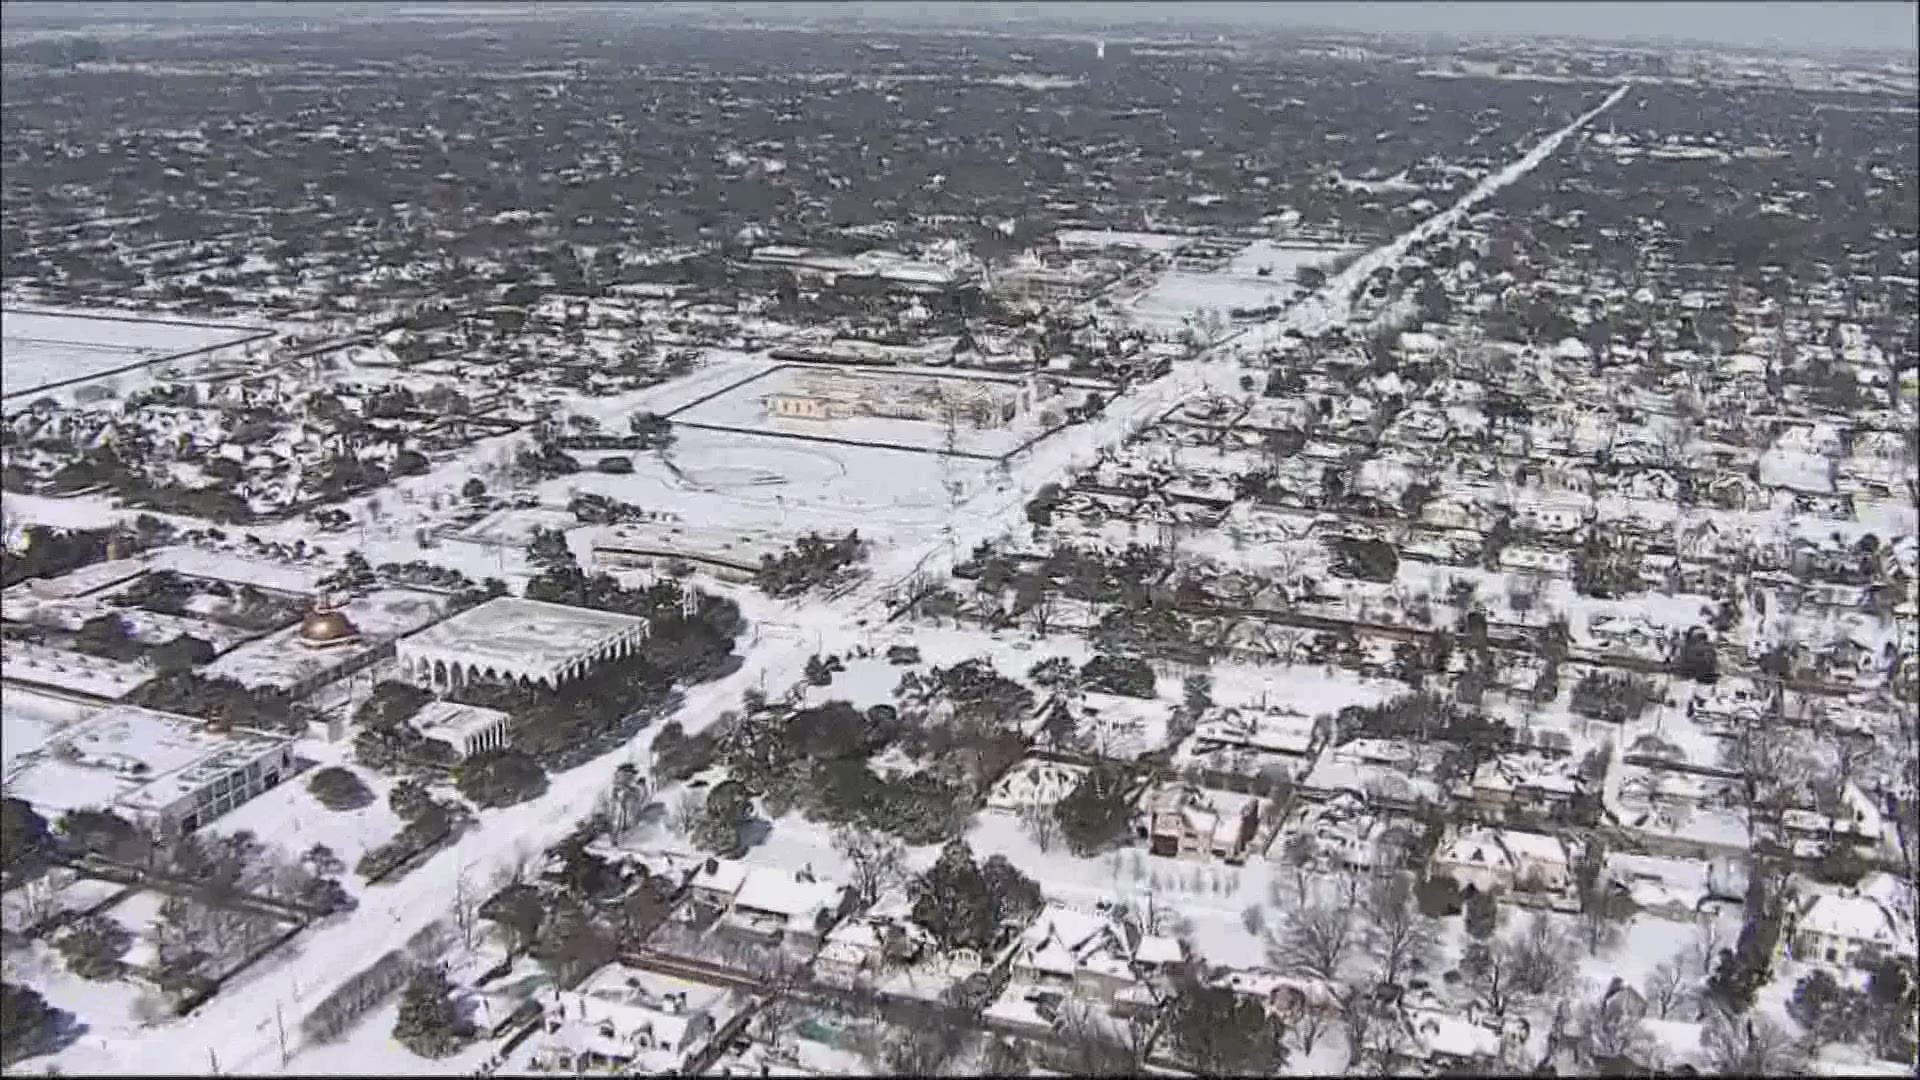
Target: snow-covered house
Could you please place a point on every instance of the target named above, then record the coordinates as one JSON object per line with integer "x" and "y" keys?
{"x": 1847, "y": 930}
{"x": 884, "y": 935}
{"x": 629, "y": 1020}
{"x": 1283, "y": 994}
{"x": 1179, "y": 820}
{"x": 1505, "y": 859}
{"x": 784, "y": 905}
{"x": 1090, "y": 956}
{"x": 713, "y": 886}
{"x": 1445, "y": 1040}
{"x": 1035, "y": 783}
{"x": 1348, "y": 832}
{"x": 1523, "y": 782}
{"x": 1260, "y": 732}
{"x": 1854, "y": 820}
{"x": 1452, "y": 512}
{"x": 1550, "y": 518}
{"x": 1672, "y": 888}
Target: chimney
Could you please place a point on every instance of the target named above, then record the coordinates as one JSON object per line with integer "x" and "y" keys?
{"x": 713, "y": 866}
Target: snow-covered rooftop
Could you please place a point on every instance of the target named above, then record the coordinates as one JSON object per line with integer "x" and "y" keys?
{"x": 134, "y": 759}
{"x": 517, "y": 636}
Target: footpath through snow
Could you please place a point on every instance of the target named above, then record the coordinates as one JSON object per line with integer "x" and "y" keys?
{"x": 239, "y": 1026}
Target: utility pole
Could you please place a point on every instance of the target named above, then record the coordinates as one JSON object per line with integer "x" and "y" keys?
{"x": 280, "y": 1025}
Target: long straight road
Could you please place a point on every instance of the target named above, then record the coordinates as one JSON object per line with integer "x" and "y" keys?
{"x": 239, "y": 1026}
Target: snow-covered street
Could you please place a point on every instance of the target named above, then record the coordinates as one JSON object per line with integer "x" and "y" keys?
{"x": 238, "y": 1025}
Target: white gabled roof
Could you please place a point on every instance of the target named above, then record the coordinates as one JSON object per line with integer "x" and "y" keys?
{"x": 1442, "y": 1033}
{"x": 1854, "y": 918}
{"x": 1157, "y": 950}
{"x": 721, "y": 875}
{"x": 784, "y": 893}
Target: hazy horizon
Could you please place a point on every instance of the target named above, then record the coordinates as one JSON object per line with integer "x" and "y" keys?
{"x": 1884, "y": 26}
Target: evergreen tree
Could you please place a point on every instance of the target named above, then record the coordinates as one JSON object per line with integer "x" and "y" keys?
{"x": 1097, "y": 812}
{"x": 429, "y": 1023}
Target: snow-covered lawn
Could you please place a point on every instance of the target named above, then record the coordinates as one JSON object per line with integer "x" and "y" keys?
{"x": 111, "y": 1011}
{"x": 747, "y": 408}
{"x": 42, "y": 347}
{"x": 1208, "y": 897}
{"x": 1183, "y": 294}
{"x": 290, "y": 817}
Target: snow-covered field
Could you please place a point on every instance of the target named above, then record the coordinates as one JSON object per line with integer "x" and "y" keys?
{"x": 1181, "y": 295}
{"x": 782, "y": 487}
{"x": 746, "y": 408}
{"x": 40, "y": 347}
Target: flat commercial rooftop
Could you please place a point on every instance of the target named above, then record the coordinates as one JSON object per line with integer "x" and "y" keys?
{"x": 130, "y": 758}
{"x": 510, "y": 633}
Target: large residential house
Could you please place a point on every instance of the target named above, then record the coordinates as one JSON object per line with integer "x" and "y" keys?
{"x": 784, "y": 906}
{"x": 883, "y": 936}
{"x": 1179, "y": 820}
{"x": 1090, "y": 956}
{"x": 1258, "y": 734}
{"x": 631, "y": 1021}
{"x": 1350, "y": 833}
{"x": 1035, "y": 782}
{"x": 1504, "y": 859}
{"x": 1282, "y": 994}
{"x": 1848, "y": 930}
{"x": 1523, "y": 783}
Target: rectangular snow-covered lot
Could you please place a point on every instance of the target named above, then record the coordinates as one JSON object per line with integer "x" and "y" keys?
{"x": 748, "y": 408}
{"x": 43, "y": 347}
{"x": 1182, "y": 294}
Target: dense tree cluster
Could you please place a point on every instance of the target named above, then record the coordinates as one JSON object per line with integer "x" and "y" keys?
{"x": 1612, "y": 696}
{"x": 971, "y": 905}
{"x": 813, "y": 561}
{"x": 337, "y": 787}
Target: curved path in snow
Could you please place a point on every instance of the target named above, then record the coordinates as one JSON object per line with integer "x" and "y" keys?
{"x": 238, "y": 1025}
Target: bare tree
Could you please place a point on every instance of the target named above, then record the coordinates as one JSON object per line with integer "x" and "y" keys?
{"x": 1307, "y": 1020}
{"x": 1601, "y": 911}
{"x": 1371, "y": 1032}
{"x": 1315, "y": 939}
{"x": 1094, "y": 1044}
{"x": 1489, "y": 970}
{"x": 466, "y": 906}
{"x": 1043, "y": 826}
{"x": 1254, "y": 918}
{"x": 1402, "y": 936}
{"x": 1045, "y": 603}
{"x": 1665, "y": 988}
{"x": 1750, "y": 1045}
{"x": 1543, "y": 959}
{"x": 877, "y": 860}
{"x": 1300, "y": 852}
{"x": 686, "y": 811}
{"x": 1610, "y": 1032}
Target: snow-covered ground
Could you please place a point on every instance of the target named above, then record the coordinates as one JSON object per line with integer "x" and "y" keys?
{"x": 240, "y": 1022}
{"x": 1182, "y": 295}
{"x": 40, "y": 347}
{"x": 748, "y": 408}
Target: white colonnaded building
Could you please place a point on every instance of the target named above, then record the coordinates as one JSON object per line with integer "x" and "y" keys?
{"x": 510, "y": 639}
